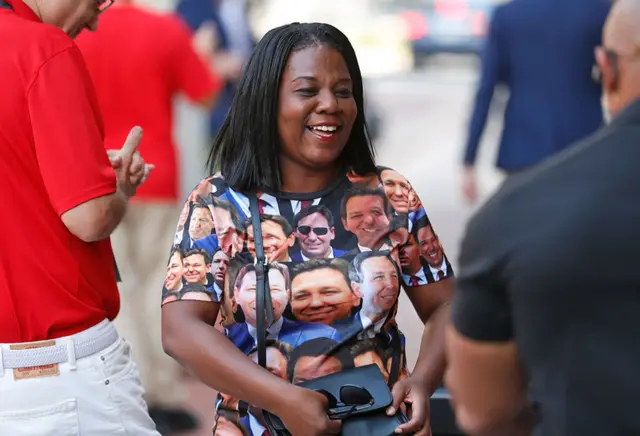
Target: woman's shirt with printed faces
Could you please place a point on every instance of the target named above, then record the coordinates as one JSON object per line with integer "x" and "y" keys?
{"x": 337, "y": 260}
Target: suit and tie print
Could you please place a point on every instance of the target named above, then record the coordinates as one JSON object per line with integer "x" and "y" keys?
{"x": 338, "y": 260}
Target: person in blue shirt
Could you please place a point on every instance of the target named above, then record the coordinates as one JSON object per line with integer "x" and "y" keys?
{"x": 543, "y": 52}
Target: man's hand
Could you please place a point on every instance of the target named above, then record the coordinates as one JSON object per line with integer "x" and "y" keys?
{"x": 469, "y": 184}
{"x": 206, "y": 40}
{"x": 412, "y": 390}
{"x": 131, "y": 170}
{"x": 227, "y": 65}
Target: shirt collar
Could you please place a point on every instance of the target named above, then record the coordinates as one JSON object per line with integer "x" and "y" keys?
{"x": 24, "y": 11}
{"x": 272, "y": 332}
{"x": 629, "y": 115}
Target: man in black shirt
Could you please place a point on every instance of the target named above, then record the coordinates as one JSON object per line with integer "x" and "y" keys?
{"x": 548, "y": 298}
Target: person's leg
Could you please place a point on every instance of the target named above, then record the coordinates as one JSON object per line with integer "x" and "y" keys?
{"x": 154, "y": 229}
{"x": 100, "y": 395}
{"x": 129, "y": 323}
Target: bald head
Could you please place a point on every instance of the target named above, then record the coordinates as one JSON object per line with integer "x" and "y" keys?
{"x": 622, "y": 30}
{"x": 619, "y": 57}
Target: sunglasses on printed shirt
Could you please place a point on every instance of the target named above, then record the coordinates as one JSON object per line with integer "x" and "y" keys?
{"x": 352, "y": 399}
{"x": 320, "y": 231}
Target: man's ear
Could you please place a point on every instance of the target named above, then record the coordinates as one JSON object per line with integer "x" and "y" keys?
{"x": 344, "y": 223}
{"x": 356, "y": 289}
{"x": 608, "y": 71}
{"x": 234, "y": 304}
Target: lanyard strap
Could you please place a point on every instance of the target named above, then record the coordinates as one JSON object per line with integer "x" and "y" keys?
{"x": 264, "y": 307}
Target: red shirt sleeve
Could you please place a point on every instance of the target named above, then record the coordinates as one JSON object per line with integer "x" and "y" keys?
{"x": 192, "y": 75}
{"x": 67, "y": 132}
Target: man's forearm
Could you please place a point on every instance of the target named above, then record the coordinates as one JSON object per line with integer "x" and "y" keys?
{"x": 96, "y": 219}
{"x": 116, "y": 212}
{"x": 431, "y": 362}
{"x": 521, "y": 424}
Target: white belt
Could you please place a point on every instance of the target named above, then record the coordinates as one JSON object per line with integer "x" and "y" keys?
{"x": 84, "y": 344}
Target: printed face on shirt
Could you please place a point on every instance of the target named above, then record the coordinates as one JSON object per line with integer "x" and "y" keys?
{"x": 367, "y": 219}
{"x": 223, "y": 222}
{"x": 315, "y": 236}
{"x": 219, "y": 266}
{"x": 227, "y": 428}
{"x": 399, "y": 236}
{"x": 276, "y": 242}
{"x": 195, "y": 269}
{"x": 321, "y": 295}
{"x": 363, "y": 181}
{"x": 245, "y": 295}
{"x": 276, "y": 362}
{"x": 173, "y": 281}
{"x": 380, "y": 285}
{"x": 232, "y": 242}
{"x": 182, "y": 220}
{"x": 201, "y": 223}
{"x": 410, "y": 256}
{"x": 311, "y": 367}
{"x": 430, "y": 247}
{"x": 396, "y": 187}
{"x": 414, "y": 201}
{"x": 370, "y": 357}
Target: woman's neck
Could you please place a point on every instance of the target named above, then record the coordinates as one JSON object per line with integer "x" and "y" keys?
{"x": 298, "y": 179}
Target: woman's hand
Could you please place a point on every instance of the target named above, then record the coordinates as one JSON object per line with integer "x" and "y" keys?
{"x": 309, "y": 416}
{"x": 414, "y": 391}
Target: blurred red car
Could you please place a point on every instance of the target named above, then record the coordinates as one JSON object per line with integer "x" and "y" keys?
{"x": 443, "y": 26}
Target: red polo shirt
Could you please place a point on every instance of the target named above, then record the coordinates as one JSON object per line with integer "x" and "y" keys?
{"x": 139, "y": 61}
{"x": 52, "y": 284}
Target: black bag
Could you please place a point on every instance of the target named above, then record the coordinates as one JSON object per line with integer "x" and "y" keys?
{"x": 357, "y": 396}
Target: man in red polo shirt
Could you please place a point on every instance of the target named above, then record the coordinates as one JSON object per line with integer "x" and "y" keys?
{"x": 139, "y": 61}
{"x": 63, "y": 367}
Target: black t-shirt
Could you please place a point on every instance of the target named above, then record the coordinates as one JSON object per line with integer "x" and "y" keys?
{"x": 552, "y": 263}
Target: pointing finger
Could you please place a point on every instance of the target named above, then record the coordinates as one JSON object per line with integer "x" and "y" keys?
{"x": 131, "y": 144}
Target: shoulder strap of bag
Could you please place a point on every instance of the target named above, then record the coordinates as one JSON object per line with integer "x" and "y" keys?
{"x": 264, "y": 307}
{"x": 396, "y": 346}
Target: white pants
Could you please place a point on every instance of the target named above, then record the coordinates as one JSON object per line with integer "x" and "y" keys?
{"x": 102, "y": 396}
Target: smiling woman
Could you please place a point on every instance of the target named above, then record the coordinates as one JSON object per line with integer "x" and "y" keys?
{"x": 296, "y": 139}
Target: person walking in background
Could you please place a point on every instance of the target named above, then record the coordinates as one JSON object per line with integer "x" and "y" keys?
{"x": 542, "y": 51}
{"x": 223, "y": 25}
{"x": 139, "y": 61}
{"x": 533, "y": 307}
{"x": 63, "y": 367}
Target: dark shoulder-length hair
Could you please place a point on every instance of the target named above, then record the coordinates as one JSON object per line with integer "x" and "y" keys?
{"x": 246, "y": 150}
